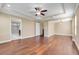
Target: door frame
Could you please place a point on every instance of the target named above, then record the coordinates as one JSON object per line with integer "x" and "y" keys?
{"x": 15, "y": 20}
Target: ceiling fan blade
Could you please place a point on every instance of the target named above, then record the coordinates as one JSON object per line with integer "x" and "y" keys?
{"x": 36, "y": 8}
{"x": 42, "y": 14}
{"x": 44, "y": 11}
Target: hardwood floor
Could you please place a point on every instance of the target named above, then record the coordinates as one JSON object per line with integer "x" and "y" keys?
{"x": 55, "y": 45}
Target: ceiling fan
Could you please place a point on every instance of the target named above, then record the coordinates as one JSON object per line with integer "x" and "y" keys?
{"x": 40, "y": 11}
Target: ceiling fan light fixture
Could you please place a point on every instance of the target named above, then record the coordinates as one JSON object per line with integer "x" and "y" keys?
{"x": 38, "y": 13}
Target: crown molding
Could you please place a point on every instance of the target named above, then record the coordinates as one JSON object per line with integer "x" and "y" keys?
{"x": 47, "y": 18}
{"x": 76, "y": 8}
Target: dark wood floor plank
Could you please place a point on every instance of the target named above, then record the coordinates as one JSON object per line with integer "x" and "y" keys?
{"x": 55, "y": 45}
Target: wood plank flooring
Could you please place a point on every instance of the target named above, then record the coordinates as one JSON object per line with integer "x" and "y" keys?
{"x": 55, "y": 45}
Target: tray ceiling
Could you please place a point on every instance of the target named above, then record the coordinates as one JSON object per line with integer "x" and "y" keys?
{"x": 27, "y": 10}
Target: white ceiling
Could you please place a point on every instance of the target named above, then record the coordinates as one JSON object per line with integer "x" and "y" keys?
{"x": 27, "y": 10}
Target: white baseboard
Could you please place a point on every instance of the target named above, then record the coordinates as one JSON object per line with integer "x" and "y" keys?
{"x": 63, "y": 34}
{"x": 50, "y": 35}
{"x": 5, "y": 41}
{"x": 27, "y": 37}
{"x": 14, "y": 39}
{"x": 59, "y": 34}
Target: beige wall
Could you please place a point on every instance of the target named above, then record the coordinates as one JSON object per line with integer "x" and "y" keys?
{"x": 28, "y": 28}
{"x": 41, "y": 27}
{"x": 51, "y": 28}
{"x": 63, "y": 28}
{"x": 4, "y": 27}
{"x": 46, "y": 29}
{"x": 58, "y": 28}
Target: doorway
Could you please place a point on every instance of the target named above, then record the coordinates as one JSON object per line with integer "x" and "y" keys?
{"x": 42, "y": 35}
{"x": 41, "y": 29}
{"x": 16, "y": 30}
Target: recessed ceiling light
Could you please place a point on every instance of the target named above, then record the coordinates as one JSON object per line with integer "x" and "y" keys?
{"x": 8, "y": 5}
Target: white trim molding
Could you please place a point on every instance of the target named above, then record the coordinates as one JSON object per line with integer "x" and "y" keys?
{"x": 5, "y": 41}
{"x": 50, "y": 35}
{"x": 63, "y": 34}
{"x": 27, "y": 37}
